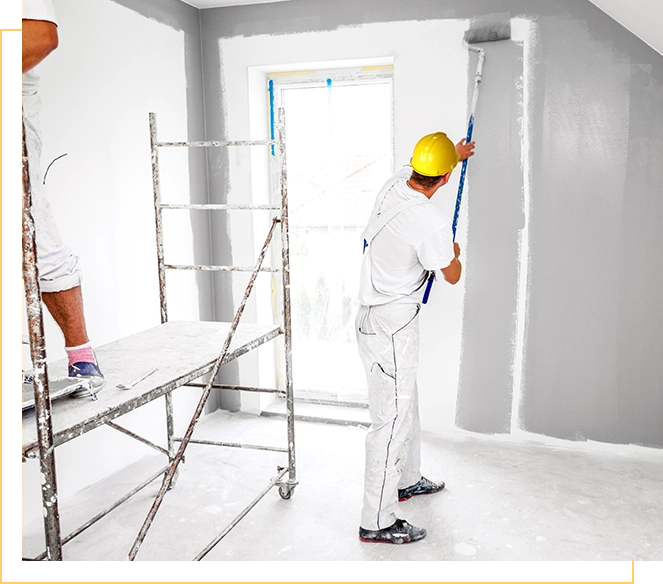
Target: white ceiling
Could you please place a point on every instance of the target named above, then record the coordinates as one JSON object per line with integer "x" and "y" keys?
{"x": 218, "y": 3}
{"x": 643, "y": 18}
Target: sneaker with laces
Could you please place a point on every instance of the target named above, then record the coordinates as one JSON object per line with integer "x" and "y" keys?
{"x": 399, "y": 532}
{"x": 423, "y": 487}
{"x": 88, "y": 371}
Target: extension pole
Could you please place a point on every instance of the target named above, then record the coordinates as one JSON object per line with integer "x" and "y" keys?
{"x": 470, "y": 128}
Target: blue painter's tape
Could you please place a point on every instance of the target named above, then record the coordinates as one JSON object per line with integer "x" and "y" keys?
{"x": 329, "y": 107}
{"x": 271, "y": 112}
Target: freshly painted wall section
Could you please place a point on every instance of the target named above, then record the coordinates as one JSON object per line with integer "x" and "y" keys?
{"x": 496, "y": 217}
{"x": 594, "y": 321}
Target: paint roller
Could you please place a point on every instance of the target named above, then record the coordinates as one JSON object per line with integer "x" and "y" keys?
{"x": 485, "y": 30}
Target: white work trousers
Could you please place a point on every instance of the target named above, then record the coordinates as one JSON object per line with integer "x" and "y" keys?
{"x": 388, "y": 339}
{"x": 57, "y": 266}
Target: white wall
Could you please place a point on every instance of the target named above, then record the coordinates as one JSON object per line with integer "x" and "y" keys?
{"x": 112, "y": 68}
{"x": 430, "y": 50}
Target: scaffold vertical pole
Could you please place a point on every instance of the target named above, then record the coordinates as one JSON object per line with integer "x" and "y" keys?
{"x": 287, "y": 316}
{"x": 170, "y": 434}
{"x": 161, "y": 266}
{"x": 49, "y": 491}
{"x": 158, "y": 216}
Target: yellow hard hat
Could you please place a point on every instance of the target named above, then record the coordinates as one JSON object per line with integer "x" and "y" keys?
{"x": 434, "y": 155}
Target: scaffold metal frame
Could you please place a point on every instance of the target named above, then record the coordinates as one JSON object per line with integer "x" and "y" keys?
{"x": 44, "y": 447}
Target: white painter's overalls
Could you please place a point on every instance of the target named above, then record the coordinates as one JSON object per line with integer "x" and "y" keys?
{"x": 388, "y": 339}
{"x": 58, "y": 267}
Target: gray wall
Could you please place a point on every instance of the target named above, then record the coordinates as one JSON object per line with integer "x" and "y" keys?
{"x": 594, "y": 334}
{"x": 183, "y": 17}
{"x": 211, "y": 243}
{"x": 595, "y": 338}
{"x": 494, "y": 204}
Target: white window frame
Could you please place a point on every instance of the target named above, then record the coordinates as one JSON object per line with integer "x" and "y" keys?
{"x": 310, "y": 78}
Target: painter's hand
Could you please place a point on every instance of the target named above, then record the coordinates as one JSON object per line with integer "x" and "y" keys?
{"x": 453, "y": 271}
{"x": 465, "y": 150}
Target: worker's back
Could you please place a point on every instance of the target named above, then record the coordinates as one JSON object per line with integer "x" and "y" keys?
{"x": 414, "y": 241}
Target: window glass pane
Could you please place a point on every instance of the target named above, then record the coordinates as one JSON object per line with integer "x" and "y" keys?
{"x": 339, "y": 153}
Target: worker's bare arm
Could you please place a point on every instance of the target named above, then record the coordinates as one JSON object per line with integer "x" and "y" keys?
{"x": 465, "y": 150}
{"x": 453, "y": 271}
{"x": 40, "y": 38}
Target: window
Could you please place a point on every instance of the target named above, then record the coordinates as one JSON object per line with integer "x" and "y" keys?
{"x": 339, "y": 143}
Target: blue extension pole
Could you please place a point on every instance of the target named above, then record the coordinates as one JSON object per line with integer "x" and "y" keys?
{"x": 461, "y": 182}
{"x": 470, "y": 128}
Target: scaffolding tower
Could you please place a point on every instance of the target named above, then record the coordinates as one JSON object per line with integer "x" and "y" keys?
{"x": 196, "y": 345}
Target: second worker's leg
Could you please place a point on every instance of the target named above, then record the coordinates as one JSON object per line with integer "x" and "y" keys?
{"x": 59, "y": 273}
{"x": 66, "y": 307}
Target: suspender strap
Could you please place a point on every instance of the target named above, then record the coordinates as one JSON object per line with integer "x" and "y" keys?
{"x": 377, "y": 223}
{"x": 429, "y": 285}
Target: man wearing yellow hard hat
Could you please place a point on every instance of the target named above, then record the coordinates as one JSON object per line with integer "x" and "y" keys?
{"x": 407, "y": 237}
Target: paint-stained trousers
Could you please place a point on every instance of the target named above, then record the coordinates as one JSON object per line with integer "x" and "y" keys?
{"x": 57, "y": 266}
{"x": 388, "y": 339}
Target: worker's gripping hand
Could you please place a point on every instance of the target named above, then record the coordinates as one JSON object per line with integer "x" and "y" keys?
{"x": 465, "y": 150}
{"x": 453, "y": 271}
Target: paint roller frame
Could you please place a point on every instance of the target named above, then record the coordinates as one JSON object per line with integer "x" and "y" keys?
{"x": 486, "y": 30}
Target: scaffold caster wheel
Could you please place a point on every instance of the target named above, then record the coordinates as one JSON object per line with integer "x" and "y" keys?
{"x": 285, "y": 491}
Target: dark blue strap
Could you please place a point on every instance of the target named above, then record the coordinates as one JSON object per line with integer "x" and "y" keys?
{"x": 429, "y": 285}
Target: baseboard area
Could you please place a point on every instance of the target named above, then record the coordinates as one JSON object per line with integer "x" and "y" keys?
{"x": 328, "y": 414}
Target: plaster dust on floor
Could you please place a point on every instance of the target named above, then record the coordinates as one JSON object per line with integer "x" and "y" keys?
{"x": 503, "y": 501}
